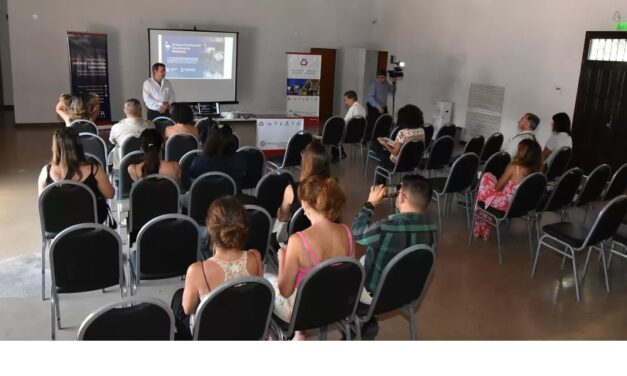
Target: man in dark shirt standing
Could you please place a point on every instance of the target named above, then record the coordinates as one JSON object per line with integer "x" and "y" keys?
{"x": 388, "y": 237}
{"x": 378, "y": 97}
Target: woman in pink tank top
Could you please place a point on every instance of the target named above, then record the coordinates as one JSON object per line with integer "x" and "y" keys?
{"x": 323, "y": 202}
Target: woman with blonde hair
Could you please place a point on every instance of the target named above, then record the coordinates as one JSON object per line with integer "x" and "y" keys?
{"x": 323, "y": 202}
{"x": 71, "y": 107}
{"x": 227, "y": 223}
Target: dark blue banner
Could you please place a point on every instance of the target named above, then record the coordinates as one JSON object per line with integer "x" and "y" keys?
{"x": 89, "y": 72}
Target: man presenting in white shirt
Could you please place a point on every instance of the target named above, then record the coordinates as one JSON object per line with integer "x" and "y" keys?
{"x": 158, "y": 93}
{"x": 354, "y": 108}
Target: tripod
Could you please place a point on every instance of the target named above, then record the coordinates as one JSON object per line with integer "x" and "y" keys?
{"x": 393, "y": 97}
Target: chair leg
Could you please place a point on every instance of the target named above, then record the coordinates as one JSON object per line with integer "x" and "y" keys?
{"x": 535, "y": 262}
{"x": 43, "y": 269}
{"x": 607, "y": 280}
{"x": 466, "y": 194}
{"x": 439, "y": 198}
{"x": 472, "y": 224}
{"x": 357, "y": 325}
{"x": 585, "y": 266}
{"x": 498, "y": 242}
{"x": 575, "y": 273}
{"x": 530, "y": 226}
{"x": 412, "y": 323}
{"x": 52, "y": 320}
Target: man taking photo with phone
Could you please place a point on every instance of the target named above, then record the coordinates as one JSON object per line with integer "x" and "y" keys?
{"x": 388, "y": 237}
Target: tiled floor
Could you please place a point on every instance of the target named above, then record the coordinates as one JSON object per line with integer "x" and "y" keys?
{"x": 470, "y": 296}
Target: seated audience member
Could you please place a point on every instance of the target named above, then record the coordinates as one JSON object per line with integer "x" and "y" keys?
{"x": 132, "y": 126}
{"x": 227, "y": 223}
{"x": 354, "y": 108}
{"x": 527, "y": 126}
{"x": 410, "y": 122}
{"x": 69, "y": 163}
{"x": 219, "y": 155}
{"x": 498, "y": 194}
{"x": 151, "y": 144}
{"x": 182, "y": 114}
{"x": 314, "y": 162}
{"x": 323, "y": 202}
{"x": 560, "y": 136}
{"x": 388, "y": 237}
{"x": 73, "y": 107}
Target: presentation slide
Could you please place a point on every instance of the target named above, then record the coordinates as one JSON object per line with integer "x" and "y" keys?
{"x": 201, "y": 65}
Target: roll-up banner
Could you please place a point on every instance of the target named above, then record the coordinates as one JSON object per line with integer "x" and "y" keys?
{"x": 89, "y": 72}
{"x": 303, "y": 87}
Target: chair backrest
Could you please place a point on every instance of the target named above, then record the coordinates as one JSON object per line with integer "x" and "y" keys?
{"x": 125, "y": 182}
{"x": 129, "y": 145}
{"x": 382, "y": 127}
{"x": 255, "y": 162}
{"x": 94, "y": 145}
{"x": 260, "y": 225}
{"x": 527, "y": 195}
{"x": 448, "y": 129}
{"x": 393, "y": 133}
{"x": 497, "y": 163}
{"x": 333, "y": 130}
{"x": 558, "y": 163}
{"x": 298, "y": 222}
{"x": 409, "y": 156}
{"x": 475, "y": 145}
{"x": 594, "y": 185}
{"x": 441, "y": 153}
{"x": 463, "y": 173}
{"x": 179, "y": 144}
{"x": 132, "y": 319}
{"x": 166, "y": 246}
{"x": 606, "y": 224}
{"x": 203, "y": 126}
{"x": 565, "y": 189}
{"x": 295, "y": 146}
{"x": 65, "y": 203}
{"x": 618, "y": 184}
{"x": 239, "y": 309}
{"x": 236, "y": 141}
{"x": 161, "y": 123}
{"x": 429, "y": 130}
{"x": 269, "y": 190}
{"x": 328, "y": 294}
{"x": 86, "y": 257}
{"x": 403, "y": 279}
{"x": 185, "y": 163}
{"x": 355, "y": 130}
{"x": 84, "y": 126}
{"x": 205, "y": 189}
{"x": 150, "y": 197}
{"x": 492, "y": 145}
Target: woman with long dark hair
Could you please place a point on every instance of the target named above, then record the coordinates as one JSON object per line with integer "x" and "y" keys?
{"x": 151, "y": 143}
{"x": 69, "y": 163}
{"x": 560, "y": 137}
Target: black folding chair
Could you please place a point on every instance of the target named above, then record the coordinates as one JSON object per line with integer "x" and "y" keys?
{"x": 523, "y": 204}
{"x": 130, "y": 144}
{"x": 572, "y": 238}
{"x": 561, "y": 196}
{"x": 150, "y": 197}
{"x": 448, "y": 129}
{"x": 132, "y": 319}
{"x": 161, "y": 123}
{"x": 401, "y": 286}
{"x": 84, "y": 257}
{"x": 205, "y": 189}
{"x": 492, "y": 145}
{"x": 185, "y": 179}
{"x": 292, "y": 156}
{"x": 355, "y": 131}
{"x": 558, "y": 163}
{"x": 255, "y": 162}
{"x": 260, "y": 225}
{"x": 408, "y": 160}
{"x": 429, "y": 131}
{"x": 460, "y": 179}
{"x": 63, "y": 204}
{"x": 84, "y": 126}
{"x": 329, "y": 294}
{"x": 382, "y": 128}
{"x": 269, "y": 190}
{"x": 474, "y": 145}
{"x": 238, "y": 310}
{"x": 125, "y": 182}
{"x": 298, "y": 222}
{"x": 332, "y": 133}
{"x": 593, "y": 188}
{"x": 95, "y": 146}
{"x": 439, "y": 155}
{"x": 496, "y": 165}
{"x": 178, "y": 145}
{"x": 166, "y": 246}
{"x": 618, "y": 184}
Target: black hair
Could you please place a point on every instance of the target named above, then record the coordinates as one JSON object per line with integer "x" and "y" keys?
{"x": 410, "y": 116}
{"x": 561, "y": 123}
{"x": 150, "y": 143}
{"x": 220, "y": 141}
{"x": 182, "y": 113}
{"x": 156, "y": 66}
{"x": 382, "y": 72}
{"x": 418, "y": 190}
{"x": 534, "y": 120}
{"x": 351, "y": 95}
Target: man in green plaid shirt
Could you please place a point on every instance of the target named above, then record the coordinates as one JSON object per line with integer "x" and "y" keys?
{"x": 388, "y": 237}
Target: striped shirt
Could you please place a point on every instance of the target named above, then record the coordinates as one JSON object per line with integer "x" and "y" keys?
{"x": 387, "y": 238}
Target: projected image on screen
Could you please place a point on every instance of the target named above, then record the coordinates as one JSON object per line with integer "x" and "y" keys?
{"x": 190, "y": 57}
{"x": 200, "y": 65}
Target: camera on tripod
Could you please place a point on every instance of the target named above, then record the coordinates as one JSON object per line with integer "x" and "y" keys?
{"x": 397, "y": 71}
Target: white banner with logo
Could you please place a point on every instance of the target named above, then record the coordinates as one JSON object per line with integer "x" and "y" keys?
{"x": 303, "y": 84}
{"x": 274, "y": 133}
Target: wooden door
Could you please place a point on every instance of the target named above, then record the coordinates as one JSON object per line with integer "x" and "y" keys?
{"x": 327, "y": 83}
{"x": 600, "y": 118}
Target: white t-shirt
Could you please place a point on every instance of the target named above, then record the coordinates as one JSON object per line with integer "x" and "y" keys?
{"x": 127, "y": 127}
{"x": 155, "y": 94}
{"x": 355, "y": 110}
{"x": 558, "y": 141}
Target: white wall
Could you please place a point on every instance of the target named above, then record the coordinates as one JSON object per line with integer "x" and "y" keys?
{"x": 530, "y": 47}
{"x": 268, "y": 29}
{"x": 5, "y": 55}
